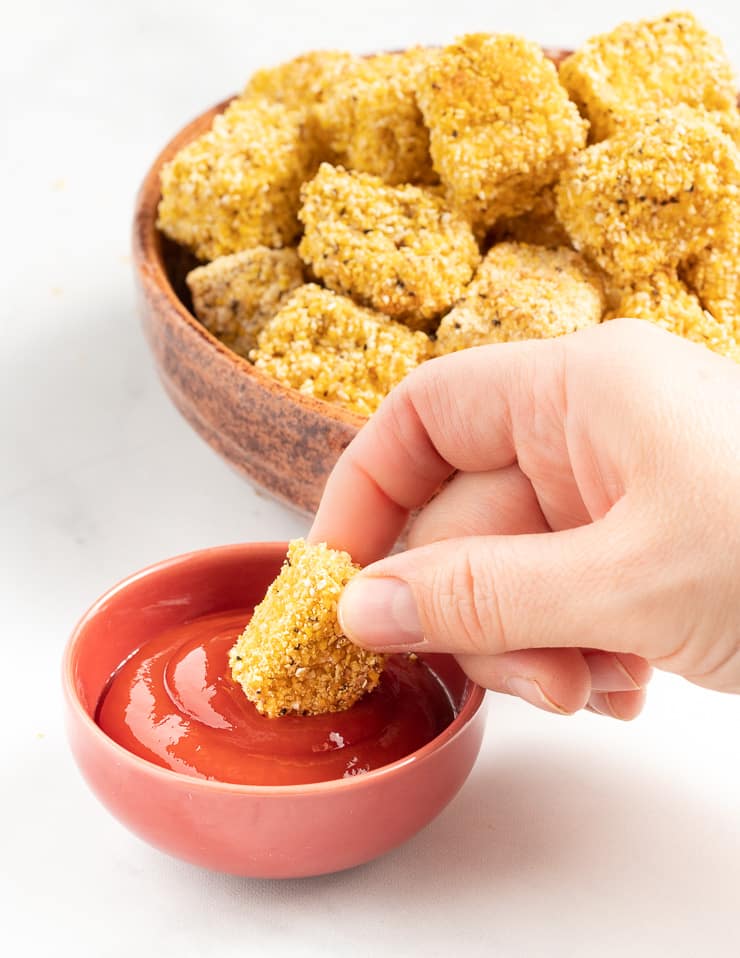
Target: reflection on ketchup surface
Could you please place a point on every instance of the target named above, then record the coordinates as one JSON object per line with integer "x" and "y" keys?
{"x": 174, "y": 703}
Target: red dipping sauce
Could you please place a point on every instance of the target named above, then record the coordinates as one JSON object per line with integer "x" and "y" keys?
{"x": 174, "y": 703}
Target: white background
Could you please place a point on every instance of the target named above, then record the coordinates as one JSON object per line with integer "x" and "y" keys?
{"x": 575, "y": 836}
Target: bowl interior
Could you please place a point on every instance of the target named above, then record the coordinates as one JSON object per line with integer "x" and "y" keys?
{"x": 158, "y": 598}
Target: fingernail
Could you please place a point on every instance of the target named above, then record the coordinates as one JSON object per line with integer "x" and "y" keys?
{"x": 627, "y": 674}
{"x": 380, "y": 614}
{"x": 531, "y": 692}
{"x": 599, "y": 703}
{"x": 609, "y": 674}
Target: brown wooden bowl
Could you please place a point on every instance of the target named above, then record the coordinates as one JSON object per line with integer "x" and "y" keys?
{"x": 278, "y": 438}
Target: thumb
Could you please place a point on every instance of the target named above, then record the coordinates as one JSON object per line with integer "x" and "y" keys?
{"x": 484, "y": 595}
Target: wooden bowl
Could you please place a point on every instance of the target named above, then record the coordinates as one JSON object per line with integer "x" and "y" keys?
{"x": 281, "y": 440}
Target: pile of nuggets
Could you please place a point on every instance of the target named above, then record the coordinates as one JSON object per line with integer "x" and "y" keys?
{"x": 357, "y": 216}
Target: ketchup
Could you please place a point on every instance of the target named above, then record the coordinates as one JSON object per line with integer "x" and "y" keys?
{"x": 174, "y": 703}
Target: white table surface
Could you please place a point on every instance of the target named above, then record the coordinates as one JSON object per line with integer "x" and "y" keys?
{"x": 576, "y": 836}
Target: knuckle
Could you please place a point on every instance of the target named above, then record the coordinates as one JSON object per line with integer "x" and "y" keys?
{"x": 420, "y": 389}
{"x": 464, "y": 604}
{"x": 435, "y": 396}
{"x": 720, "y": 668}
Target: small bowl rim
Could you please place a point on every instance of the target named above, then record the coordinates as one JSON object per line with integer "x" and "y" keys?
{"x": 459, "y": 723}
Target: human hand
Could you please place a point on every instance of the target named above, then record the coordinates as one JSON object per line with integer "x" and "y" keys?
{"x": 591, "y": 525}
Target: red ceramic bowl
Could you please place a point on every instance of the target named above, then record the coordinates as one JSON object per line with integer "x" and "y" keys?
{"x": 259, "y": 831}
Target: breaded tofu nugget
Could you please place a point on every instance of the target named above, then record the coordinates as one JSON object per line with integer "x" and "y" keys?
{"x": 238, "y": 185}
{"x": 524, "y": 292}
{"x": 714, "y": 275}
{"x": 664, "y": 300}
{"x": 326, "y": 346}
{"x": 303, "y": 82}
{"x": 372, "y": 122}
{"x": 293, "y": 657}
{"x": 398, "y": 249}
{"x": 234, "y": 296}
{"x": 501, "y": 125}
{"x": 651, "y": 196}
{"x": 651, "y": 64}
{"x": 539, "y": 226}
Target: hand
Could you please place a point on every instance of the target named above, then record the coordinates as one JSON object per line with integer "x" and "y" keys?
{"x": 590, "y": 524}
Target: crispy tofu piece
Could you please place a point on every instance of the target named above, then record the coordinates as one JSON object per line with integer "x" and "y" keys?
{"x": 501, "y": 125}
{"x": 303, "y": 82}
{"x": 293, "y": 657}
{"x": 397, "y": 249}
{"x": 539, "y": 227}
{"x": 326, "y": 346}
{"x": 714, "y": 275}
{"x": 372, "y": 122}
{"x": 238, "y": 185}
{"x": 234, "y": 296}
{"x": 524, "y": 292}
{"x": 664, "y": 300}
{"x": 651, "y": 196}
{"x": 651, "y": 65}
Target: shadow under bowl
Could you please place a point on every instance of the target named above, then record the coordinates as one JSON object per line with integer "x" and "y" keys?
{"x": 257, "y": 831}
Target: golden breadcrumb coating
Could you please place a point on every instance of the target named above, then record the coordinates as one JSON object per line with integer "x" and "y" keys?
{"x": 372, "y": 122}
{"x": 714, "y": 275}
{"x": 293, "y": 657}
{"x": 651, "y": 64}
{"x": 524, "y": 292}
{"x": 664, "y": 300}
{"x": 326, "y": 346}
{"x": 651, "y": 196}
{"x": 302, "y": 82}
{"x": 501, "y": 125}
{"x": 613, "y": 292}
{"x": 539, "y": 226}
{"x": 398, "y": 249}
{"x": 238, "y": 185}
{"x": 234, "y": 296}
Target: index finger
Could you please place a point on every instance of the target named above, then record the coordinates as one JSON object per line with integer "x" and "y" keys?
{"x": 455, "y": 412}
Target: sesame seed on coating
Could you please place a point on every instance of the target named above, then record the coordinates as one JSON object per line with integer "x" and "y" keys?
{"x": 234, "y": 296}
{"x": 651, "y": 64}
{"x": 501, "y": 125}
{"x": 399, "y": 249}
{"x": 326, "y": 346}
{"x": 293, "y": 657}
{"x": 524, "y": 292}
